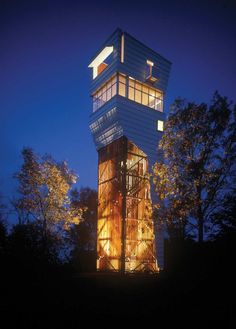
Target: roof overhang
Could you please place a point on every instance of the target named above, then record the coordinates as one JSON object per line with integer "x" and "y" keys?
{"x": 100, "y": 59}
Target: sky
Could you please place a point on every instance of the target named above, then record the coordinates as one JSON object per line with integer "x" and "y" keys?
{"x": 45, "y": 49}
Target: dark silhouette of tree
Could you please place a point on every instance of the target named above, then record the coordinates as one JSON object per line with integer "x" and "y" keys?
{"x": 3, "y": 227}
{"x": 83, "y": 235}
{"x": 3, "y": 237}
{"x": 199, "y": 152}
{"x": 28, "y": 255}
{"x": 225, "y": 217}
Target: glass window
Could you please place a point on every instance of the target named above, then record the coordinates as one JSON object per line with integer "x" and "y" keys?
{"x": 151, "y": 102}
{"x": 131, "y": 82}
{"x": 138, "y": 86}
{"x": 160, "y": 125}
{"x": 145, "y": 99}
{"x": 108, "y": 94}
{"x": 152, "y": 92}
{"x": 145, "y": 95}
{"x": 137, "y": 96}
{"x": 105, "y": 93}
{"x": 122, "y": 91}
{"x": 104, "y": 98}
{"x": 145, "y": 89}
{"x": 122, "y": 78}
{"x": 131, "y": 93}
{"x": 158, "y": 105}
{"x": 137, "y": 92}
{"x": 158, "y": 94}
{"x": 113, "y": 91}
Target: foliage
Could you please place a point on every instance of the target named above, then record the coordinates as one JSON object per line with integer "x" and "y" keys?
{"x": 26, "y": 243}
{"x": 3, "y": 226}
{"x": 44, "y": 185}
{"x": 199, "y": 146}
{"x": 225, "y": 217}
{"x": 83, "y": 235}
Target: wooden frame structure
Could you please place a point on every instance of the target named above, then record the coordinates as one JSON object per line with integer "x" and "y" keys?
{"x": 125, "y": 239}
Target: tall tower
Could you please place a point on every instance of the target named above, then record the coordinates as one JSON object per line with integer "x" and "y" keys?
{"x": 128, "y": 85}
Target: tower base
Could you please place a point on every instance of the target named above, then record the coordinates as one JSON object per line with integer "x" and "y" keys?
{"x": 125, "y": 233}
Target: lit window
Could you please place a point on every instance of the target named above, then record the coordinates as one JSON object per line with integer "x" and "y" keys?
{"x": 131, "y": 93}
{"x": 98, "y": 64}
{"x": 122, "y": 89}
{"x": 138, "y": 96}
{"x": 160, "y": 125}
{"x": 137, "y": 92}
{"x": 105, "y": 93}
{"x": 122, "y": 85}
{"x": 145, "y": 95}
{"x": 145, "y": 99}
{"x": 113, "y": 90}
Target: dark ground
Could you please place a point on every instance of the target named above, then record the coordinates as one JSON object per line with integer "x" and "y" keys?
{"x": 195, "y": 291}
{"x": 109, "y": 300}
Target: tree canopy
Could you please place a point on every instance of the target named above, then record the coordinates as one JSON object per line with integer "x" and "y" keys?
{"x": 198, "y": 146}
{"x": 44, "y": 186}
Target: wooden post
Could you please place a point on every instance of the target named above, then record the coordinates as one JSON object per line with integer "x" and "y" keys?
{"x": 124, "y": 193}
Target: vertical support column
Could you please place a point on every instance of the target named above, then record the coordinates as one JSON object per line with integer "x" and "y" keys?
{"x": 124, "y": 194}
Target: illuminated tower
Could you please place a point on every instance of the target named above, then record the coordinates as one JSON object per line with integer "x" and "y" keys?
{"x": 128, "y": 84}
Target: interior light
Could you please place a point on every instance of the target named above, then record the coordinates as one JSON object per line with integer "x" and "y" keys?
{"x": 150, "y": 63}
{"x": 100, "y": 59}
{"x": 160, "y": 125}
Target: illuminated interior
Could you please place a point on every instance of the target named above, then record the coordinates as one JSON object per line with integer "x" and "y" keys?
{"x": 98, "y": 64}
{"x": 128, "y": 87}
{"x": 125, "y": 239}
{"x": 105, "y": 93}
{"x": 149, "y": 74}
{"x": 160, "y": 125}
{"x": 145, "y": 95}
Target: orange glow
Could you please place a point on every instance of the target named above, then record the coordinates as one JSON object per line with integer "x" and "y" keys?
{"x": 124, "y": 210}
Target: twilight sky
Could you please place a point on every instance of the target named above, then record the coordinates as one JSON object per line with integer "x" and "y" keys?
{"x": 46, "y": 46}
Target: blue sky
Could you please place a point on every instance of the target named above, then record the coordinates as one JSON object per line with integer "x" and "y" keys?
{"x": 46, "y": 47}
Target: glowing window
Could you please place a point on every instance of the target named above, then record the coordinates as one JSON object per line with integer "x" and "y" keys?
{"x": 122, "y": 85}
{"x": 105, "y": 93}
{"x": 98, "y": 64}
{"x": 138, "y": 96}
{"x": 122, "y": 89}
{"x": 145, "y": 95}
{"x": 160, "y": 125}
{"x": 131, "y": 93}
{"x": 145, "y": 99}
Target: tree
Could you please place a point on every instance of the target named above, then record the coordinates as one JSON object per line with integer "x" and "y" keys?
{"x": 44, "y": 186}
{"x": 83, "y": 235}
{"x": 225, "y": 217}
{"x": 3, "y": 226}
{"x": 198, "y": 145}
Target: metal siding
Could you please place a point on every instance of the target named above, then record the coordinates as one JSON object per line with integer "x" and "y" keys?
{"x": 136, "y": 55}
{"x": 114, "y": 41}
{"x": 106, "y": 125}
{"x": 135, "y": 121}
{"x": 139, "y": 124}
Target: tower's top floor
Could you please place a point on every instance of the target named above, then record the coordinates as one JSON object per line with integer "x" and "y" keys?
{"x": 124, "y": 54}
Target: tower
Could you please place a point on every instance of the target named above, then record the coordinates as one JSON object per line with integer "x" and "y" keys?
{"x": 129, "y": 81}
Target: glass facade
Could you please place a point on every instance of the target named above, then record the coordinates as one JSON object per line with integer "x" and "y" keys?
{"x": 128, "y": 87}
{"x": 145, "y": 95}
{"x": 105, "y": 93}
